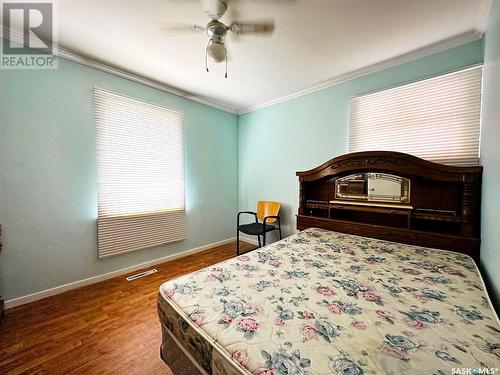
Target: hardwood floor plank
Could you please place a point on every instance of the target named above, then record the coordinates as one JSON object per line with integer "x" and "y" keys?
{"x": 110, "y": 327}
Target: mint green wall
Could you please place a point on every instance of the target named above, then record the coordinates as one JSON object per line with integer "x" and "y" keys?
{"x": 48, "y": 197}
{"x": 490, "y": 155}
{"x": 301, "y": 133}
{"x": 48, "y": 202}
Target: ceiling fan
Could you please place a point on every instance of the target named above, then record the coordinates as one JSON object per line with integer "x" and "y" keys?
{"x": 217, "y": 31}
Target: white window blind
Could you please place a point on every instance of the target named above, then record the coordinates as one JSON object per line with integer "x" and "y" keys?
{"x": 140, "y": 172}
{"x": 437, "y": 119}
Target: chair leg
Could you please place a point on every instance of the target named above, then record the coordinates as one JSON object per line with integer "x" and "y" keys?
{"x": 259, "y": 240}
{"x": 264, "y": 239}
{"x": 237, "y": 242}
{"x": 279, "y": 230}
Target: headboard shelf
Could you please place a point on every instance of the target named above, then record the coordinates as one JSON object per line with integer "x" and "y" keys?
{"x": 372, "y": 204}
{"x": 394, "y": 196}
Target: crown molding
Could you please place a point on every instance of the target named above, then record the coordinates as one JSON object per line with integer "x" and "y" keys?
{"x": 456, "y": 41}
{"x": 68, "y": 55}
{"x": 64, "y": 53}
{"x": 431, "y": 49}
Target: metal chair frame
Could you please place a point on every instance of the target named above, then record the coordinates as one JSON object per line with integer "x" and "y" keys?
{"x": 263, "y": 234}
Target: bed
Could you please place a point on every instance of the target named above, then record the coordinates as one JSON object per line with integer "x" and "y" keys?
{"x": 329, "y": 302}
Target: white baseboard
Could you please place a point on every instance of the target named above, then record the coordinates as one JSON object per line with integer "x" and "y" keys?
{"x": 95, "y": 279}
{"x": 252, "y": 240}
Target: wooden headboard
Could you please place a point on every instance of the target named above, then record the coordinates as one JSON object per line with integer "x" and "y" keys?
{"x": 443, "y": 210}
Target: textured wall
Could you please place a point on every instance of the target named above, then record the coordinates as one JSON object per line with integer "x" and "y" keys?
{"x": 48, "y": 202}
{"x": 302, "y": 133}
{"x": 48, "y": 193}
{"x": 490, "y": 156}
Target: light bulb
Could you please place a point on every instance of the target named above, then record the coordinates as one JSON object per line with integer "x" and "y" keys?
{"x": 217, "y": 52}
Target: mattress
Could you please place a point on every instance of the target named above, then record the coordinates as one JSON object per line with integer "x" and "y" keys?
{"x": 321, "y": 302}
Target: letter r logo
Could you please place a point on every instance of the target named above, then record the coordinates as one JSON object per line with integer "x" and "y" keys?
{"x": 34, "y": 21}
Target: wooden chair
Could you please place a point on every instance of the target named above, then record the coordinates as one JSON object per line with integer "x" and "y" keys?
{"x": 267, "y": 212}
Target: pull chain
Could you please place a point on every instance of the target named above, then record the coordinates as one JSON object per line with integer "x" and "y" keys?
{"x": 206, "y": 56}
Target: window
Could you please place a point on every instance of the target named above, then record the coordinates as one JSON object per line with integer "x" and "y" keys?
{"x": 140, "y": 174}
{"x": 437, "y": 119}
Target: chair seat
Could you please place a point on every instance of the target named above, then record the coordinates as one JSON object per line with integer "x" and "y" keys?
{"x": 255, "y": 229}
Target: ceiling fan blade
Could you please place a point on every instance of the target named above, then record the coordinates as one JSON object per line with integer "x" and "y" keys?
{"x": 258, "y": 27}
{"x": 184, "y": 28}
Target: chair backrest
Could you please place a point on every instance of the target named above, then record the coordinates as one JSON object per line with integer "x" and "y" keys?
{"x": 267, "y": 208}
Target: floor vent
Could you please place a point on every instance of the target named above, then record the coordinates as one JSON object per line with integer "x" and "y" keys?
{"x": 142, "y": 274}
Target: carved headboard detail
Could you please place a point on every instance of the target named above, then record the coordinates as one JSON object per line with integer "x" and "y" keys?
{"x": 444, "y": 209}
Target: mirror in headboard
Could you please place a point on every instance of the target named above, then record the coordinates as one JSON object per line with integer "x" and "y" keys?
{"x": 373, "y": 187}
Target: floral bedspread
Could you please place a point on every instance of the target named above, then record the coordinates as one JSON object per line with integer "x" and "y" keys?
{"x": 321, "y": 302}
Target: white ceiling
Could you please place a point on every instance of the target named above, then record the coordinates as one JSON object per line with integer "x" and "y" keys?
{"x": 314, "y": 40}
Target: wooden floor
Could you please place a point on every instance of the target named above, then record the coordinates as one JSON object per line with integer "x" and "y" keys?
{"x": 106, "y": 328}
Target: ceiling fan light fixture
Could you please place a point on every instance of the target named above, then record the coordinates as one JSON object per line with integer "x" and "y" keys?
{"x": 217, "y": 30}
{"x": 217, "y": 52}
{"x": 215, "y": 9}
